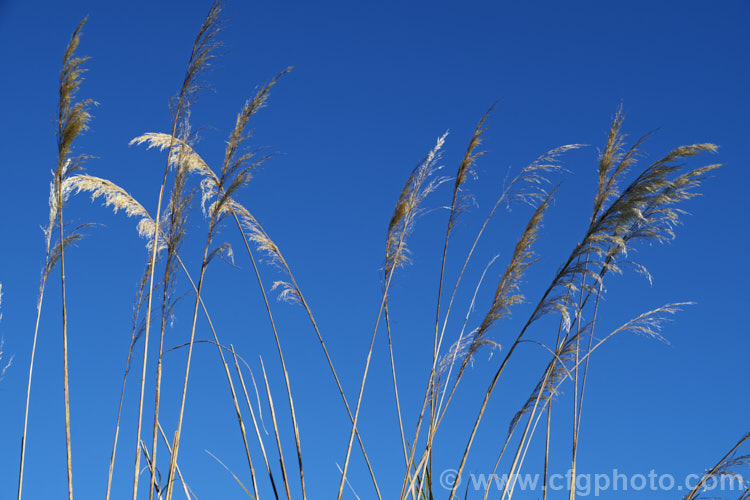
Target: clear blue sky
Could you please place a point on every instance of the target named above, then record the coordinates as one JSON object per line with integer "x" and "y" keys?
{"x": 375, "y": 84}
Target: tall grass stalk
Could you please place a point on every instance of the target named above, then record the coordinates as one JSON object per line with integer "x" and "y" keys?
{"x": 201, "y": 54}
{"x": 255, "y": 425}
{"x": 134, "y": 335}
{"x": 457, "y": 205}
{"x": 235, "y": 173}
{"x": 176, "y": 221}
{"x": 421, "y": 182}
{"x": 72, "y": 119}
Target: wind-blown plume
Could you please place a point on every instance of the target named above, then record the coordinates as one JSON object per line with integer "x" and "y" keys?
{"x": 115, "y": 197}
{"x": 466, "y": 170}
{"x": 421, "y": 182}
{"x": 644, "y": 211}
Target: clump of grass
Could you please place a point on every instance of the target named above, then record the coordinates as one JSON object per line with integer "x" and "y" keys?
{"x": 630, "y": 207}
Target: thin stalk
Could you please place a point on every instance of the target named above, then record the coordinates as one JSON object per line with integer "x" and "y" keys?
{"x": 154, "y": 247}
{"x": 138, "y": 305}
{"x": 558, "y": 341}
{"x": 528, "y": 323}
{"x": 546, "y": 453}
{"x": 500, "y": 370}
{"x": 416, "y": 188}
{"x": 177, "y": 210}
{"x": 255, "y": 424}
{"x": 200, "y": 54}
{"x": 515, "y": 465}
{"x": 157, "y": 390}
{"x": 317, "y": 332}
{"x": 576, "y": 413}
{"x": 185, "y": 487}
{"x": 226, "y": 371}
{"x": 445, "y": 318}
{"x": 579, "y": 398}
{"x": 543, "y": 383}
{"x": 72, "y": 119}
{"x": 464, "y": 171}
{"x": 569, "y": 375}
{"x": 586, "y": 366}
{"x": 503, "y": 301}
{"x": 362, "y": 385}
{"x": 440, "y": 414}
{"x": 117, "y": 434}
{"x": 149, "y": 464}
{"x": 695, "y": 491}
{"x": 276, "y": 432}
{"x": 234, "y": 207}
{"x": 231, "y": 388}
{"x": 442, "y": 408}
{"x": 66, "y": 383}
{"x": 40, "y": 298}
{"x": 523, "y": 456}
{"x": 157, "y": 401}
{"x": 283, "y": 367}
{"x": 176, "y": 442}
{"x": 395, "y": 387}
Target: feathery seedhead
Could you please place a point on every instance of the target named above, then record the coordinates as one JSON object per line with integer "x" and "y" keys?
{"x": 217, "y": 190}
{"x": 119, "y": 199}
{"x": 58, "y": 249}
{"x": 650, "y": 323}
{"x": 288, "y": 292}
{"x": 182, "y": 152}
{"x": 465, "y": 349}
{"x": 530, "y": 185}
{"x": 181, "y": 197}
{"x": 114, "y": 196}
{"x": 614, "y": 163}
{"x": 204, "y": 51}
{"x": 236, "y": 170}
{"x": 643, "y": 211}
{"x": 506, "y": 294}
{"x": 224, "y": 251}
{"x": 232, "y": 158}
{"x": 72, "y": 117}
{"x": 257, "y": 234}
{"x": 421, "y": 182}
{"x": 466, "y": 170}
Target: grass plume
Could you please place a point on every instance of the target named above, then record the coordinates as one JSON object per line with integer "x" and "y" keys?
{"x": 73, "y": 117}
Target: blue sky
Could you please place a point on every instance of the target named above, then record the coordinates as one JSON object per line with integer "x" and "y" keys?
{"x": 374, "y": 85}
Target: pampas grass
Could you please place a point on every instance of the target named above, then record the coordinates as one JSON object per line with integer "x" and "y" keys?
{"x": 633, "y": 204}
